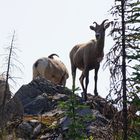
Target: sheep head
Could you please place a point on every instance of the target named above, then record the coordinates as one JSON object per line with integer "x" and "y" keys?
{"x": 100, "y": 29}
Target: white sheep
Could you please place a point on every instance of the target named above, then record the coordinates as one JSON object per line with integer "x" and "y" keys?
{"x": 51, "y": 69}
{"x": 88, "y": 56}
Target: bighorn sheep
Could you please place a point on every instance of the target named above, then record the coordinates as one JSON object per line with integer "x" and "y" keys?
{"x": 88, "y": 56}
{"x": 51, "y": 69}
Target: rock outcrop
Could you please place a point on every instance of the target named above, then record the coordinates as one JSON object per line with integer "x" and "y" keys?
{"x": 44, "y": 119}
{"x": 40, "y": 96}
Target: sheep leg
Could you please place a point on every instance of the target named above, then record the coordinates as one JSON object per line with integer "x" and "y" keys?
{"x": 73, "y": 77}
{"x": 86, "y": 84}
{"x": 85, "y": 73}
{"x": 81, "y": 79}
{"x": 95, "y": 79}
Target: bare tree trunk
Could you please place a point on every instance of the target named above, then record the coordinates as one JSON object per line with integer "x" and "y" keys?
{"x": 7, "y": 75}
{"x": 124, "y": 72}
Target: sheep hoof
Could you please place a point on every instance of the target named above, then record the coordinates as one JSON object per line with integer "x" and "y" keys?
{"x": 84, "y": 97}
{"x": 82, "y": 94}
{"x": 96, "y": 93}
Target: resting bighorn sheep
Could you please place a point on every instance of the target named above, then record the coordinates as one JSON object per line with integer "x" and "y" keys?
{"x": 88, "y": 56}
{"x": 51, "y": 69}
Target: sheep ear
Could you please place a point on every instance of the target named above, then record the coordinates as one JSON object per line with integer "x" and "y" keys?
{"x": 92, "y": 28}
{"x": 107, "y": 25}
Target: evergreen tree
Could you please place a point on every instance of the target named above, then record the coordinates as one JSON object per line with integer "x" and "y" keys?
{"x": 132, "y": 58}
{"x": 132, "y": 47}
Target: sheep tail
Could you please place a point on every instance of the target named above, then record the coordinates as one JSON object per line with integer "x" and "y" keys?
{"x": 51, "y": 56}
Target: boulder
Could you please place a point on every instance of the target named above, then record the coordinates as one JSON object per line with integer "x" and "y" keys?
{"x": 40, "y": 96}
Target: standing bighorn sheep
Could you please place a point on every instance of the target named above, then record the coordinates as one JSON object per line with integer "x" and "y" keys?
{"x": 51, "y": 69}
{"x": 88, "y": 56}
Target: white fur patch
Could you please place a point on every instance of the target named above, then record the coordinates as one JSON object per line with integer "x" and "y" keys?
{"x": 42, "y": 64}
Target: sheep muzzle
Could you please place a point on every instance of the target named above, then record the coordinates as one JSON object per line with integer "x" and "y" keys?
{"x": 97, "y": 35}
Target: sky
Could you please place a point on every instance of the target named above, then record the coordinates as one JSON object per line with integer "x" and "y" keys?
{"x": 43, "y": 27}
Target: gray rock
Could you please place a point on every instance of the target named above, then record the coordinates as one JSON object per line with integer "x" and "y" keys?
{"x": 37, "y": 130}
{"x": 25, "y": 130}
{"x": 37, "y": 106}
{"x": 13, "y": 110}
{"x": 98, "y": 119}
{"x": 40, "y": 96}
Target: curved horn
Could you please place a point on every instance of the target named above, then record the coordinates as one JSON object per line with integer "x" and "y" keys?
{"x": 104, "y": 21}
{"x": 51, "y": 56}
{"x": 95, "y": 23}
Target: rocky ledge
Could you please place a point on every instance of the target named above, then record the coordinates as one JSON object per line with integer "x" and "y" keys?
{"x": 35, "y": 113}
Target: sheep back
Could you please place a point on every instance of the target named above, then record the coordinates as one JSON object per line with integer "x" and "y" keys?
{"x": 51, "y": 69}
{"x": 85, "y": 53}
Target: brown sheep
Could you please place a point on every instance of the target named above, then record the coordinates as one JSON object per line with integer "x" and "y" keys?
{"x": 51, "y": 69}
{"x": 88, "y": 56}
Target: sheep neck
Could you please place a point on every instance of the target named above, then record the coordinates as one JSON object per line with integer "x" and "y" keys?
{"x": 100, "y": 45}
